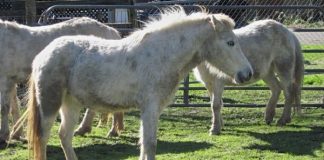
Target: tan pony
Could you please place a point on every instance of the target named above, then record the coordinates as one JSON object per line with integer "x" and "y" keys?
{"x": 20, "y": 44}
{"x": 140, "y": 71}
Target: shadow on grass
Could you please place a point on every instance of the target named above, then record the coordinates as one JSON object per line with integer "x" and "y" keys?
{"x": 123, "y": 151}
{"x": 292, "y": 142}
{"x": 183, "y": 118}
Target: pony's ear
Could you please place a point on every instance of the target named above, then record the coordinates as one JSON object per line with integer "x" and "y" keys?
{"x": 217, "y": 24}
{"x": 145, "y": 35}
{"x": 223, "y": 21}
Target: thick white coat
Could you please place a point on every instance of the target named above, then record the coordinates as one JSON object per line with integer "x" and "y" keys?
{"x": 141, "y": 71}
{"x": 273, "y": 51}
{"x": 20, "y": 44}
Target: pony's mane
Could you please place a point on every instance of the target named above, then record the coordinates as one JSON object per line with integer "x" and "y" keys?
{"x": 169, "y": 17}
{"x": 226, "y": 20}
{"x": 10, "y": 24}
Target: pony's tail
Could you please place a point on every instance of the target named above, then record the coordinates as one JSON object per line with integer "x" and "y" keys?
{"x": 33, "y": 123}
{"x": 299, "y": 76}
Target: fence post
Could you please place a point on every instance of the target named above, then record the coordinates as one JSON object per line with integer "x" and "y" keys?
{"x": 186, "y": 90}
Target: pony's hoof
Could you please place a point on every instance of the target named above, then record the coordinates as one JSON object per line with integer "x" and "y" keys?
{"x": 16, "y": 136}
{"x": 4, "y": 138}
{"x": 269, "y": 117}
{"x": 268, "y": 121}
{"x": 20, "y": 138}
{"x": 283, "y": 121}
{"x": 112, "y": 134}
{"x": 2, "y": 141}
{"x": 215, "y": 132}
{"x": 82, "y": 131}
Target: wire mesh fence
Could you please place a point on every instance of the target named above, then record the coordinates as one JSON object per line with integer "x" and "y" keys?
{"x": 294, "y": 14}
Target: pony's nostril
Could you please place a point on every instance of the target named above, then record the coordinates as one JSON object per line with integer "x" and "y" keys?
{"x": 244, "y": 76}
{"x": 240, "y": 77}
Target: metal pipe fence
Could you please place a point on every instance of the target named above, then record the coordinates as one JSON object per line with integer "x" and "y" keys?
{"x": 305, "y": 20}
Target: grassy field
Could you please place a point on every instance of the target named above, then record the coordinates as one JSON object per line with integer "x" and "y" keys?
{"x": 183, "y": 132}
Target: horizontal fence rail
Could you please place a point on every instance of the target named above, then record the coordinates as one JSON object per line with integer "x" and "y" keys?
{"x": 142, "y": 11}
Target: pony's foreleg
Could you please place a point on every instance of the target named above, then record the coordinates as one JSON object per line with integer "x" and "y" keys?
{"x": 70, "y": 114}
{"x": 275, "y": 88}
{"x": 216, "y": 105}
{"x": 15, "y": 112}
{"x": 85, "y": 126}
{"x": 117, "y": 124}
{"x": 5, "y": 107}
{"x": 149, "y": 121}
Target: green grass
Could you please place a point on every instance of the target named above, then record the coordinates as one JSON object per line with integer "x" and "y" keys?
{"x": 314, "y": 61}
{"x": 183, "y": 132}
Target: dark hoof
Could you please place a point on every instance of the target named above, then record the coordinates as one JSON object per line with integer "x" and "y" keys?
{"x": 82, "y": 131}
{"x": 268, "y": 122}
{"x": 112, "y": 134}
{"x": 283, "y": 121}
{"x": 214, "y": 132}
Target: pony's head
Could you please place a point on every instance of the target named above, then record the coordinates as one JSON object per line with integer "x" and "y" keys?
{"x": 223, "y": 53}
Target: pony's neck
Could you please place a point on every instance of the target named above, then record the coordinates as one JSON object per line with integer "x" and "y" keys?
{"x": 180, "y": 46}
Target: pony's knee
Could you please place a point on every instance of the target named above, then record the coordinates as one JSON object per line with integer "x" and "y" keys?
{"x": 65, "y": 135}
{"x": 217, "y": 104}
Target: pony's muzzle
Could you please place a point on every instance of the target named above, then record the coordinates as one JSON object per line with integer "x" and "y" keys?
{"x": 244, "y": 75}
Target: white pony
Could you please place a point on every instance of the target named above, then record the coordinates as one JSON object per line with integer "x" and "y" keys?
{"x": 273, "y": 51}
{"x": 140, "y": 71}
{"x": 20, "y": 44}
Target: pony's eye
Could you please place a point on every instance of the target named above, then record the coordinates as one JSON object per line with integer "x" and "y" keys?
{"x": 230, "y": 43}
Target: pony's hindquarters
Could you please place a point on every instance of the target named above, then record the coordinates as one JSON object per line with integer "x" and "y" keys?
{"x": 41, "y": 116}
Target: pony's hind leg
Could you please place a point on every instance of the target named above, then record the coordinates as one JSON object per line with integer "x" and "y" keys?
{"x": 40, "y": 124}
{"x": 69, "y": 112}
{"x": 103, "y": 120}
{"x": 14, "y": 110}
{"x": 6, "y": 87}
{"x": 46, "y": 125}
{"x": 285, "y": 73}
{"x": 85, "y": 125}
{"x": 275, "y": 88}
{"x": 117, "y": 124}
{"x": 288, "y": 93}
